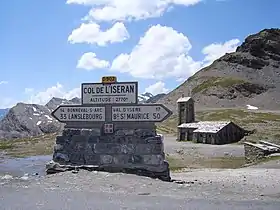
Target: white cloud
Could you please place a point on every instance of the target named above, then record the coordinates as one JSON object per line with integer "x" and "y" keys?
{"x": 55, "y": 91}
{"x": 3, "y": 82}
{"x": 157, "y": 88}
{"x": 91, "y": 33}
{"x": 89, "y": 61}
{"x": 109, "y": 10}
{"x": 7, "y": 103}
{"x": 28, "y": 90}
{"x": 216, "y": 50}
{"x": 162, "y": 52}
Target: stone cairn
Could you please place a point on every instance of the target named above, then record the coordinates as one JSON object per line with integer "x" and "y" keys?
{"x": 128, "y": 147}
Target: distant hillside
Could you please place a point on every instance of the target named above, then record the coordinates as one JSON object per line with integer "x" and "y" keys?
{"x": 156, "y": 98}
{"x": 251, "y": 75}
{"x": 55, "y": 102}
{"x": 3, "y": 112}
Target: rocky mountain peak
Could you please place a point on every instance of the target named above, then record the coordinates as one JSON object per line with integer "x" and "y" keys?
{"x": 28, "y": 120}
{"x": 144, "y": 97}
{"x": 75, "y": 100}
{"x": 55, "y": 102}
{"x": 264, "y": 45}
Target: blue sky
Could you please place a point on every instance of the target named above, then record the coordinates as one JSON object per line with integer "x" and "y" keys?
{"x": 46, "y": 51}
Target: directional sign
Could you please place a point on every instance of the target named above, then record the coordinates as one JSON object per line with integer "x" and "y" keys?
{"x": 110, "y": 93}
{"x": 78, "y": 113}
{"x": 140, "y": 113}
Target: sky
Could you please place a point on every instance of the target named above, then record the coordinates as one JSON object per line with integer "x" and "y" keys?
{"x": 48, "y": 48}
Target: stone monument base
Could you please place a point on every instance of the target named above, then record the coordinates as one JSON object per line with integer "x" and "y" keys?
{"x": 135, "y": 151}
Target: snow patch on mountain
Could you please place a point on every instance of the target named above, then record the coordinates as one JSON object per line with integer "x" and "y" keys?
{"x": 142, "y": 98}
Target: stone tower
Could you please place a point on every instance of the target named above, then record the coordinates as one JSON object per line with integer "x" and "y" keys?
{"x": 185, "y": 110}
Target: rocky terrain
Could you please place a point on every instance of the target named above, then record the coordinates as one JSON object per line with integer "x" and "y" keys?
{"x": 28, "y": 120}
{"x": 24, "y": 120}
{"x": 251, "y": 75}
{"x": 55, "y": 102}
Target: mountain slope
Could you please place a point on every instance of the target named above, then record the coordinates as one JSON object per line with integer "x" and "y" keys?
{"x": 25, "y": 120}
{"x": 251, "y": 75}
{"x": 55, "y": 102}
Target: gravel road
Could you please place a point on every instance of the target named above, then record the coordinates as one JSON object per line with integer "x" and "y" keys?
{"x": 204, "y": 189}
{"x": 248, "y": 188}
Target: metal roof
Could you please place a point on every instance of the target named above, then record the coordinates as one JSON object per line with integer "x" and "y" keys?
{"x": 205, "y": 126}
{"x": 183, "y": 99}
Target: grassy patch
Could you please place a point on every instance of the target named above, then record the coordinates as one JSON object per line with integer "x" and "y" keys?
{"x": 269, "y": 158}
{"x": 217, "y": 81}
{"x": 177, "y": 163}
{"x": 24, "y": 147}
{"x": 6, "y": 145}
{"x": 168, "y": 126}
{"x": 224, "y": 162}
{"x": 240, "y": 116}
{"x": 164, "y": 129}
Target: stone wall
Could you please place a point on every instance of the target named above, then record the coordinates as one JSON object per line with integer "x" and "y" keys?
{"x": 138, "y": 151}
{"x": 254, "y": 153}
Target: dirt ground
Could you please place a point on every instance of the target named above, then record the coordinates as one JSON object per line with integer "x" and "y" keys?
{"x": 191, "y": 155}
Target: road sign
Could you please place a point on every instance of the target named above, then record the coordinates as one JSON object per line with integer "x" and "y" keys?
{"x": 78, "y": 113}
{"x": 140, "y": 113}
{"x": 109, "y": 79}
{"x": 113, "y": 93}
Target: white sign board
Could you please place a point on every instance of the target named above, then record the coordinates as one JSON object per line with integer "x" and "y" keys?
{"x": 140, "y": 113}
{"x": 78, "y": 113}
{"x": 115, "y": 93}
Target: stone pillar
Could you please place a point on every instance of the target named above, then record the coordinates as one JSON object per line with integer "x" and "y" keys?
{"x": 186, "y": 112}
{"x": 138, "y": 151}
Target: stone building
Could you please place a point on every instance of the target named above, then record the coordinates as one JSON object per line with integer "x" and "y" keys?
{"x": 207, "y": 132}
{"x": 211, "y": 132}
